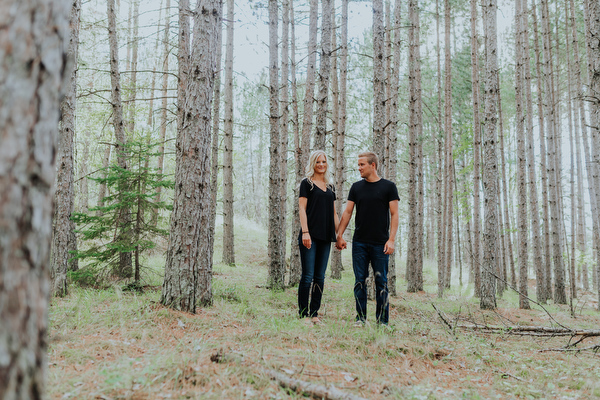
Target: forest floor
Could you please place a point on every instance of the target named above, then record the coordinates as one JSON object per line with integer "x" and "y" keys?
{"x": 110, "y": 344}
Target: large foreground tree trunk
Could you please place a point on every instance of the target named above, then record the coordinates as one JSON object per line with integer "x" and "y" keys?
{"x": 188, "y": 266}
{"x": 34, "y": 33}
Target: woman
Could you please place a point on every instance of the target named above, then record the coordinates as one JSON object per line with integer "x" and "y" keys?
{"x": 319, "y": 223}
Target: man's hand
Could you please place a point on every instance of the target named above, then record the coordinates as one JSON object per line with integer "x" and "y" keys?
{"x": 340, "y": 244}
{"x": 389, "y": 247}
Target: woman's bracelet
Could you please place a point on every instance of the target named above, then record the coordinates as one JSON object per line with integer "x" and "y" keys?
{"x": 304, "y": 231}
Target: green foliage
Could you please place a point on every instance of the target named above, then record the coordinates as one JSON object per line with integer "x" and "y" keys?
{"x": 105, "y": 233}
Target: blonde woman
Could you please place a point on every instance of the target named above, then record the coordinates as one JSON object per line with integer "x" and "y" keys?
{"x": 319, "y": 223}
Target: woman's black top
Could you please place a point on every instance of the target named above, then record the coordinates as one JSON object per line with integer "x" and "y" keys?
{"x": 319, "y": 211}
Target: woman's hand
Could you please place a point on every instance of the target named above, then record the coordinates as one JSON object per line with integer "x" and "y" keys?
{"x": 306, "y": 240}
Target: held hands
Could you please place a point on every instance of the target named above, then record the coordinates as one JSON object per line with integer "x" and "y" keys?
{"x": 340, "y": 244}
{"x": 389, "y": 247}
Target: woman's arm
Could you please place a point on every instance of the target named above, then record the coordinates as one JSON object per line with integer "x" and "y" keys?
{"x": 306, "y": 241}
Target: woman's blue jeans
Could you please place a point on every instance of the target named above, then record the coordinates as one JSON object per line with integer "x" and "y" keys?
{"x": 314, "y": 264}
{"x": 362, "y": 254}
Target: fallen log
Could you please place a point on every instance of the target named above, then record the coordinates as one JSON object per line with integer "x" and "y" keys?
{"x": 531, "y": 330}
{"x": 324, "y": 392}
{"x": 320, "y": 391}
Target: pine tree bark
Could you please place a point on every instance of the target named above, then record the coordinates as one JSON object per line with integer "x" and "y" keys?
{"x": 188, "y": 269}
{"x": 295, "y": 267}
{"x": 36, "y": 33}
{"x": 392, "y": 136}
{"x": 441, "y": 254}
{"x": 553, "y": 190}
{"x": 521, "y": 156}
{"x": 309, "y": 92}
{"x": 276, "y": 246}
{"x": 507, "y": 257}
{"x": 490, "y": 166}
{"x": 63, "y": 231}
{"x": 379, "y": 83}
{"x": 284, "y": 121}
{"x": 228, "y": 209}
{"x": 162, "y": 132}
{"x": 124, "y": 269}
{"x": 413, "y": 260}
{"x": 476, "y": 151}
{"x": 336, "y": 256}
{"x": 214, "y": 146}
{"x": 580, "y": 126}
{"x": 449, "y": 159}
{"x": 324, "y": 76}
{"x": 543, "y": 162}
{"x": 536, "y": 240}
{"x": 133, "y": 68}
{"x": 592, "y": 11}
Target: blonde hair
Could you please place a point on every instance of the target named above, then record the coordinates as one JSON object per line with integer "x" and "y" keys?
{"x": 309, "y": 171}
{"x": 371, "y": 158}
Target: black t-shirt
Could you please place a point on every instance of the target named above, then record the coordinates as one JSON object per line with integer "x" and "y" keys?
{"x": 319, "y": 211}
{"x": 372, "y": 201}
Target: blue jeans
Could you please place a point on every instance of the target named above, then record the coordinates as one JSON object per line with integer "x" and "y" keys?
{"x": 314, "y": 264}
{"x": 362, "y": 254}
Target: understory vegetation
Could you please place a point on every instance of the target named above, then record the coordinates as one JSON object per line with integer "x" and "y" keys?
{"x": 116, "y": 344}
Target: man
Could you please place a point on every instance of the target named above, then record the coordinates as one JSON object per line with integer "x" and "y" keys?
{"x": 376, "y": 223}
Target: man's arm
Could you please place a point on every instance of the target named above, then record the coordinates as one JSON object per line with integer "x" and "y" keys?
{"x": 346, "y": 215}
{"x": 391, "y": 243}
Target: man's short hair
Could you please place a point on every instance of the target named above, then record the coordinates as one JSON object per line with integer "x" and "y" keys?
{"x": 371, "y": 157}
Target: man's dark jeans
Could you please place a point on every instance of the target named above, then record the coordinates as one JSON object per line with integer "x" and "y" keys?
{"x": 314, "y": 264}
{"x": 362, "y": 254}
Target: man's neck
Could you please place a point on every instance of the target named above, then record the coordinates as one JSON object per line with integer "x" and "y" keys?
{"x": 372, "y": 178}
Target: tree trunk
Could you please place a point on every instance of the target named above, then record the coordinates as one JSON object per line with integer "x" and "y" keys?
{"x": 324, "y": 72}
{"x": 162, "y": 132}
{"x": 295, "y": 267}
{"x": 63, "y": 228}
{"x": 593, "y": 45}
{"x": 490, "y": 166}
{"x": 214, "y": 146}
{"x": 392, "y": 160}
{"x": 309, "y": 92}
{"x": 521, "y": 155}
{"x": 228, "y": 209}
{"x": 476, "y": 150}
{"x": 413, "y": 261}
{"x": 276, "y": 278}
{"x": 580, "y": 120}
{"x": 379, "y": 83}
{"x": 284, "y": 122}
{"x": 440, "y": 180}
{"x": 543, "y": 163}
{"x": 553, "y": 190}
{"x": 188, "y": 269}
{"x": 35, "y": 34}
{"x": 449, "y": 163}
{"x": 508, "y": 260}
{"x": 124, "y": 269}
{"x": 133, "y": 68}
{"x": 536, "y": 240}
{"x": 336, "y": 256}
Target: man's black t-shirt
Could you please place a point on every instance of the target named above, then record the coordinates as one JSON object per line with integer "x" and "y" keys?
{"x": 372, "y": 222}
{"x": 319, "y": 211}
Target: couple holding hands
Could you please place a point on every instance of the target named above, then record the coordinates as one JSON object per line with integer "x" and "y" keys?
{"x": 376, "y": 200}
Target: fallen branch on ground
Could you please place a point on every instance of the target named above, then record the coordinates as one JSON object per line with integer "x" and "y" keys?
{"x": 595, "y": 349}
{"x": 320, "y": 391}
{"x": 532, "y": 330}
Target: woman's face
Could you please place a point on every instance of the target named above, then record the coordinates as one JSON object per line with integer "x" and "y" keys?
{"x": 321, "y": 165}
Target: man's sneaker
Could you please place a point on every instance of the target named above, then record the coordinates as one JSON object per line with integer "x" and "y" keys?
{"x": 359, "y": 323}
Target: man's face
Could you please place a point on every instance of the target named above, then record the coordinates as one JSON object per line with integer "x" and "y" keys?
{"x": 365, "y": 168}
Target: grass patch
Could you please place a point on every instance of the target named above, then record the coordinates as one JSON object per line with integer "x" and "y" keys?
{"x": 121, "y": 344}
